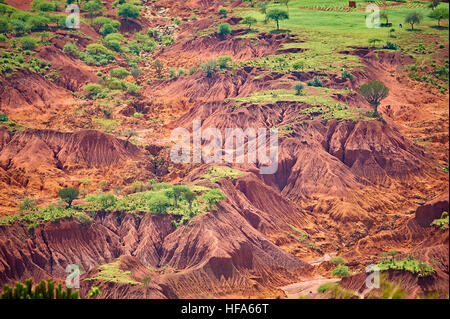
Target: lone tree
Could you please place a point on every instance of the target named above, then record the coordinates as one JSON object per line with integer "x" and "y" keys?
{"x": 128, "y": 10}
{"x": 439, "y": 14}
{"x": 433, "y": 4}
{"x": 298, "y": 88}
{"x": 277, "y": 15}
{"x": 249, "y": 21}
{"x": 178, "y": 190}
{"x": 68, "y": 195}
{"x": 158, "y": 67}
{"x": 189, "y": 196}
{"x": 384, "y": 15}
{"x": 224, "y": 29}
{"x": 374, "y": 92}
{"x": 413, "y": 18}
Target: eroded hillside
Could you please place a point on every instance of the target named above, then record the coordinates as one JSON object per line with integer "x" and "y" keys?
{"x": 93, "y": 108}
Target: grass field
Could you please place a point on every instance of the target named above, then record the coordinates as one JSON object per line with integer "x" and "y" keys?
{"x": 323, "y": 34}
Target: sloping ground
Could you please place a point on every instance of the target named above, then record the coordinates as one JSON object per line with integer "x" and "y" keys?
{"x": 27, "y": 97}
{"x": 73, "y": 75}
{"x": 198, "y": 50}
{"x": 222, "y": 86}
{"x": 42, "y": 160}
{"x": 423, "y": 241}
{"x": 222, "y": 254}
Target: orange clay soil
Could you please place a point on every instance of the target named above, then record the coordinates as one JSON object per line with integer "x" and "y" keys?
{"x": 354, "y": 189}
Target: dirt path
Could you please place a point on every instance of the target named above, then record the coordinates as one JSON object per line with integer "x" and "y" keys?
{"x": 306, "y": 288}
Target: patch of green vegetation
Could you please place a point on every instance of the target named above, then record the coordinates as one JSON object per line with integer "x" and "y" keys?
{"x": 106, "y": 125}
{"x": 323, "y": 288}
{"x": 408, "y": 264}
{"x": 335, "y": 291}
{"x": 338, "y": 260}
{"x": 48, "y": 214}
{"x": 215, "y": 173}
{"x": 112, "y": 273}
{"x": 302, "y": 236}
{"x": 341, "y": 271}
{"x": 442, "y": 222}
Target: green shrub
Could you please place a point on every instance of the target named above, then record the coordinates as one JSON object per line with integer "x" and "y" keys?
{"x": 149, "y": 46}
{"x": 92, "y": 89}
{"x": 71, "y": 48}
{"x": 6, "y": 9}
{"x": 5, "y": 24}
{"x": 315, "y": 82}
{"x": 298, "y": 88}
{"x": 3, "y": 117}
{"x": 338, "y": 260}
{"x": 39, "y": 5}
{"x": 27, "y": 205}
{"x": 442, "y": 222}
{"x": 323, "y": 288}
{"x": 347, "y": 75}
{"x": 209, "y": 68}
{"x": 172, "y": 73}
{"x": 36, "y": 23}
{"x": 133, "y": 88}
{"x": 105, "y": 201}
{"x": 101, "y": 21}
{"x": 68, "y": 194}
{"x": 408, "y": 264}
{"x": 108, "y": 28}
{"x": 222, "y": 62}
{"x": 135, "y": 47}
{"x": 28, "y": 43}
{"x": 213, "y": 197}
{"x": 341, "y": 271}
{"x": 391, "y": 46}
{"x": 159, "y": 204}
{"x": 120, "y": 73}
{"x": 167, "y": 40}
{"x": 224, "y": 29}
{"x": 298, "y": 65}
{"x": 97, "y": 54}
{"x": 128, "y": 10}
{"x": 222, "y": 12}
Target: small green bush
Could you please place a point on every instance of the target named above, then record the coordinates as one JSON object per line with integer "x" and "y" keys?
{"x": 347, "y": 75}
{"x": 93, "y": 90}
{"x": 28, "y": 43}
{"x": 209, "y": 68}
{"x": 3, "y": 117}
{"x": 39, "y": 5}
{"x": 298, "y": 88}
{"x": 341, "y": 271}
{"x": 338, "y": 260}
{"x": 315, "y": 82}
{"x": 120, "y": 73}
{"x": 224, "y": 29}
{"x": 222, "y": 12}
{"x": 222, "y": 62}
